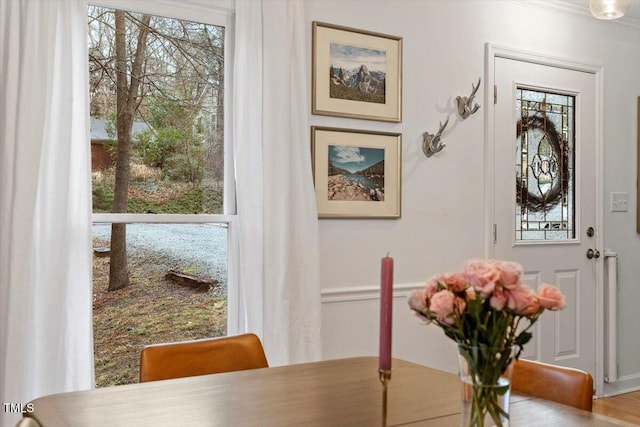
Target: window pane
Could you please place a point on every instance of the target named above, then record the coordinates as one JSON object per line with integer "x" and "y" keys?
{"x": 173, "y": 109}
{"x": 545, "y": 145}
{"x": 177, "y": 292}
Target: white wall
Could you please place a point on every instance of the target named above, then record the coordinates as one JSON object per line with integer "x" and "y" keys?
{"x": 442, "y": 222}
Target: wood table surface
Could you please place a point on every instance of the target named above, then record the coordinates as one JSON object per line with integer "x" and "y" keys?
{"x": 342, "y": 392}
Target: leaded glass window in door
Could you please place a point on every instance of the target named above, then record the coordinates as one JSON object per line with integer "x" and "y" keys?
{"x": 545, "y": 184}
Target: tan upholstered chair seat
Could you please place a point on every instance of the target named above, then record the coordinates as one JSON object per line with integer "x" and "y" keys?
{"x": 201, "y": 357}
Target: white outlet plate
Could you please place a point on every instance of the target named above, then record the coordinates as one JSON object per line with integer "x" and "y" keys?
{"x": 619, "y": 202}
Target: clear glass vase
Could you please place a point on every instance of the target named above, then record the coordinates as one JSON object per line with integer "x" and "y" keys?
{"x": 485, "y": 384}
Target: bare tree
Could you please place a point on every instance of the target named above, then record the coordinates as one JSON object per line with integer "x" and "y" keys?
{"x": 128, "y": 92}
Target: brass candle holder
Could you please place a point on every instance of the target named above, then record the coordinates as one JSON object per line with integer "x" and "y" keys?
{"x": 385, "y": 377}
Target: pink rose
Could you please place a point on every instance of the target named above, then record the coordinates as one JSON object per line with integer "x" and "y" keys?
{"x": 498, "y": 299}
{"x": 471, "y": 293}
{"x": 418, "y": 300}
{"x": 510, "y": 273}
{"x": 522, "y": 300}
{"x": 460, "y": 304}
{"x": 418, "y": 303}
{"x": 432, "y": 285}
{"x": 550, "y": 297}
{"x": 482, "y": 275}
{"x": 532, "y": 309}
{"x": 456, "y": 282}
{"x": 441, "y": 305}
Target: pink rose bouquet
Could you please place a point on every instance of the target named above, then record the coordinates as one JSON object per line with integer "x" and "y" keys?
{"x": 485, "y": 304}
{"x": 488, "y": 311}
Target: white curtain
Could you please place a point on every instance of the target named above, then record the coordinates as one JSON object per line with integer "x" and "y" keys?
{"x": 45, "y": 205}
{"x": 279, "y": 255}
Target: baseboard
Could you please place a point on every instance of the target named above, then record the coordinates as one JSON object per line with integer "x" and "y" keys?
{"x": 624, "y": 384}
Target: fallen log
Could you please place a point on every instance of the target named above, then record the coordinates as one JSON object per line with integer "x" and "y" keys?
{"x": 183, "y": 279}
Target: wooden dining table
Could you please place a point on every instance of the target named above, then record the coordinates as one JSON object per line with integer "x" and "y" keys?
{"x": 341, "y": 392}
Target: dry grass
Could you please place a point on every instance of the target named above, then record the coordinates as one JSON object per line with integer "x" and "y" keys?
{"x": 141, "y": 172}
{"x": 150, "y": 310}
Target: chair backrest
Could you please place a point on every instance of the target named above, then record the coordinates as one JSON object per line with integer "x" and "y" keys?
{"x": 569, "y": 386}
{"x": 27, "y": 422}
{"x": 201, "y": 357}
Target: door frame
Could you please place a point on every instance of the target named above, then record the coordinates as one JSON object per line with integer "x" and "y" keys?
{"x": 492, "y": 52}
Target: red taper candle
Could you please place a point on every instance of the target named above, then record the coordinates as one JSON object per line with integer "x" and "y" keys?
{"x": 386, "y": 309}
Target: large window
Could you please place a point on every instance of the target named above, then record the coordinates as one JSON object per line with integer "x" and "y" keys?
{"x": 162, "y": 180}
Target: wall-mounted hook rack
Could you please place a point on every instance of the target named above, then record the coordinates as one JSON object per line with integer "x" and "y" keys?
{"x": 464, "y": 103}
{"x": 432, "y": 143}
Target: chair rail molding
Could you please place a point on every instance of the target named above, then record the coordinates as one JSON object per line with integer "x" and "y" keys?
{"x": 362, "y": 293}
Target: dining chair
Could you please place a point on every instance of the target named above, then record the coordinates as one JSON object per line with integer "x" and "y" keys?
{"x": 559, "y": 384}
{"x": 201, "y": 357}
{"x": 27, "y": 422}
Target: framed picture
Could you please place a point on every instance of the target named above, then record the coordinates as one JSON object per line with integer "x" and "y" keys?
{"x": 356, "y": 173}
{"x": 356, "y": 73}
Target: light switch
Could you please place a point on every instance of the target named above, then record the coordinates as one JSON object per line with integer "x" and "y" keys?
{"x": 619, "y": 202}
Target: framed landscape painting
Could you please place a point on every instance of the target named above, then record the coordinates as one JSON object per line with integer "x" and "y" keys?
{"x": 356, "y": 73}
{"x": 356, "y": 173}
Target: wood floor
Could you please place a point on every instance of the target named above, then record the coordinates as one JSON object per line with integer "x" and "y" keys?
{"x": 624, "y": 407}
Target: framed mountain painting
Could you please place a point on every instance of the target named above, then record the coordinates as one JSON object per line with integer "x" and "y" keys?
{"x": 356, "y": 73}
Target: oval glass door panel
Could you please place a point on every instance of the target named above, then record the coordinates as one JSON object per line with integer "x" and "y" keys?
{"x": 545, "y": 144}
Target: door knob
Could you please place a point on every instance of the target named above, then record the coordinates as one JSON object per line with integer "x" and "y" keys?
{"x": 593, "y": 254}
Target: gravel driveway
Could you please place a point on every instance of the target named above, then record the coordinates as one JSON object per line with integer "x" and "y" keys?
{"x": 200, "y": 248}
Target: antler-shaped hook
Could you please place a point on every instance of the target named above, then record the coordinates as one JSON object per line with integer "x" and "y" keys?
{"x": 432, "y": 144}
{"x": 464, "y": 103}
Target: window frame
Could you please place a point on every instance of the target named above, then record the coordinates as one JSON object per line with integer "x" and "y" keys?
{"x": 213, "y": 12}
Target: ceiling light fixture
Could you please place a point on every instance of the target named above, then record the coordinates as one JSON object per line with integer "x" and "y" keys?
{"x": 609, "y": 9}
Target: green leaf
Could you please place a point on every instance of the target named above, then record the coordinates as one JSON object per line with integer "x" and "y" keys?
{"x": 523, "y": 338}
